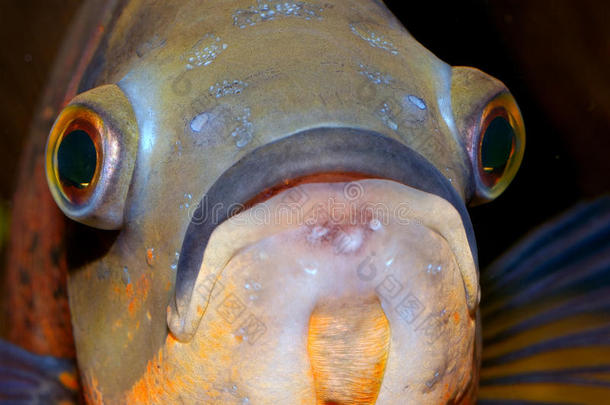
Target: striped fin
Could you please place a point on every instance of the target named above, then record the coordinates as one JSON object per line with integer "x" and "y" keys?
{"x": 546, "y": 314}
{"x": 27, "y": 378}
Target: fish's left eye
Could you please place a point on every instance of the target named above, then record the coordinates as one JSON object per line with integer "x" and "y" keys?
{"x": 90, "y": 157}
{"x": 491, "y": 128}
{"x": 498, "y": 146}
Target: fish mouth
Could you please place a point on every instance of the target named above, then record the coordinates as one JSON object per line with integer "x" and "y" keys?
{"x": 320, "y": 155}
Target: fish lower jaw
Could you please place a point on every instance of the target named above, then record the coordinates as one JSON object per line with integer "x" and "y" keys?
{"x": 339, "y": 220}
{"x": 325, "y": 284}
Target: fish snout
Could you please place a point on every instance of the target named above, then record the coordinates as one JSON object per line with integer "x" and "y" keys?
{"x": 355, "y": 152}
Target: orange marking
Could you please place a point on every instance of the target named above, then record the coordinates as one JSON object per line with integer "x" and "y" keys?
{"x": 150, "y": 256}
{"x": 192, "y": 371}
{"x": 348, "y": 344}
{"x": 69, "y": 381}
{"x": 91, "y": 391}
{"x": 136, "y": 295}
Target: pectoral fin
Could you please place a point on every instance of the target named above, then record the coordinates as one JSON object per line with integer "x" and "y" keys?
{"x": 26, "y": 378}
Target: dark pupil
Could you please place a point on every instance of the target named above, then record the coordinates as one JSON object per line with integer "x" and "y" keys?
{"x": 497, "y": 144}
{"x": 76, "y": 159}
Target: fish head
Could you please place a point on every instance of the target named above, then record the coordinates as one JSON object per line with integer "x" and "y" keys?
{"x": 281, "y": 189}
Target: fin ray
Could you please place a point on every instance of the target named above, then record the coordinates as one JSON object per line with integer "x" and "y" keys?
{"x": 546, "y": 314}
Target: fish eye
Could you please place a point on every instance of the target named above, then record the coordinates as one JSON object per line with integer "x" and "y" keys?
{"x": 76, "y": 159}
{"x": 90, "y": 157}
{"x": 499, "y": 147}
{"x": 77, "y": 153}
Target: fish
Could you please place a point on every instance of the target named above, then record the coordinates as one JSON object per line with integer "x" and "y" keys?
{"x": 267, "y": 202}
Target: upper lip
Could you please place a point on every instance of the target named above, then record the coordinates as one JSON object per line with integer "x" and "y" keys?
{"x": 318, "y": 150}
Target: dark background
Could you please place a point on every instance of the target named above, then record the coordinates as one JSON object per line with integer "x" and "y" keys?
{"x": 553, "y": 55}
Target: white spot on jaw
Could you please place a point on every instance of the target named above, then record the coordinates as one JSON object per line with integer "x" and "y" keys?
{"x": 374, "y": 76}
{"x": 308, "y": 267}
{"x": 374, "y": 40}
{"x": 126, "y": 277}
{"x": 204, "y": 51}
{"x": 252, "y": 285}
{"x": 388, "y": 117}
{"x": 174, "y": 264}
{"x": 269, "y": 10}
{"x": 187, "y": 202}
{"x": 199, "y": 121}
{"x": 316, "y": 234}
{"x": 227, "y": 88}
{"x": 418, "y": 102}
{"x": 432, "y": 269}
{"x": 244, "y": 130}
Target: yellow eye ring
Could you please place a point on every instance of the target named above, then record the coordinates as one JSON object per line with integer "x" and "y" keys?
{"x": 90, "y": 157}
{"x": 75, "y": 155}
{"x": 498, "y": 146}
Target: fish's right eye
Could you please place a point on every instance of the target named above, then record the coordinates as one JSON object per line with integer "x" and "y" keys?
{"x": 77, "y": 159}
{"x": 90, "y": 157}
{"x": 76, "y": 154}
